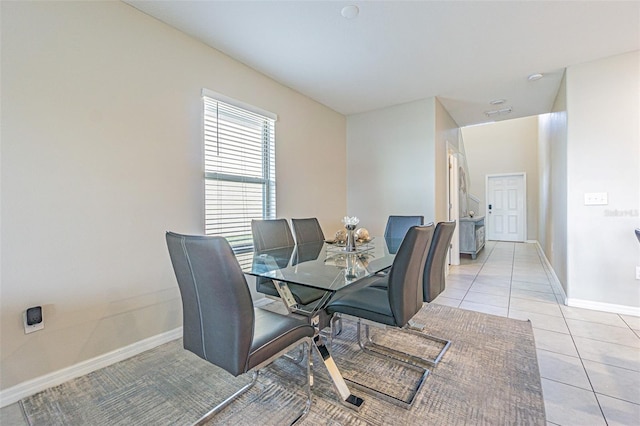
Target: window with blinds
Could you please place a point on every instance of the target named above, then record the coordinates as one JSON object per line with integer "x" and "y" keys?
{"x": 239, "y": 168}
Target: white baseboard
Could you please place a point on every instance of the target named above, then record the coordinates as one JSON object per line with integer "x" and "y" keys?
{"x": 22, "y": 390}
{"x": 606, "y": 307}
{"x": 586, "y": 304}
{"x": 555, "y": 281}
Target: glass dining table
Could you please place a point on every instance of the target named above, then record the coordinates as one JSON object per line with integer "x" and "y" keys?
{"x": 330, "y": 269}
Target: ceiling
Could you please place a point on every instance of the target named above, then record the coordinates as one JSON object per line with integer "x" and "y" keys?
{"x": 465, "y": 53}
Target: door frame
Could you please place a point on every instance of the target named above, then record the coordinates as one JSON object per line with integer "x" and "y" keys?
{"x": 453, "y": 156}
{"x": 524, "y": 199}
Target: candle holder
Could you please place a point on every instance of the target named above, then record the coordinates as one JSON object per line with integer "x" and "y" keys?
{"x": 350, "y": 224}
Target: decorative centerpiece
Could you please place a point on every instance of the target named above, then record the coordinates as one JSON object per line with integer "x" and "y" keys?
{"x": 350, "y": 224}
{"x": 362, "y": 235}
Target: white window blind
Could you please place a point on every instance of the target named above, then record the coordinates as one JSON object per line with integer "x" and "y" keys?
{"x": 239, "y": 169}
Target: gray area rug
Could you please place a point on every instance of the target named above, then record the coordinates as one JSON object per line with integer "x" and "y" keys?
{"x": 489, "y": 376}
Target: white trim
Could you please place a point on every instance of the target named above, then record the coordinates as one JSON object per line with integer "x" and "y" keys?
{"x": 586, "y": 304}
{"x": 30, "y": 387}
{"x": 555, "y": 281}
{"x": 22, "y": 390}
{"x": 226, "y": 99}
{"x": 453, "y": 208}
{"x": 607, "y": 307}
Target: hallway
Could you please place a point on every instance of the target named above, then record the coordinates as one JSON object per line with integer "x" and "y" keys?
{"x": 589, "y": 360}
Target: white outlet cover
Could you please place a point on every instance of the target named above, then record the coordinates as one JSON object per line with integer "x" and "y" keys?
{"x": 596, "y": 199}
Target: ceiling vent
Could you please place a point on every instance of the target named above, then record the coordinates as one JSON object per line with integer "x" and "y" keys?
{"x": 498, "y": 112}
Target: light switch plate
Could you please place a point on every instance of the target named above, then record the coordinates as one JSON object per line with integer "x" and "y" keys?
{"x": 595, "y": 199}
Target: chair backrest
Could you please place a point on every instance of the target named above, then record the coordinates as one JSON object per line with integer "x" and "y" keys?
{"x": 217, "y": 310}
{"x": 306, "y": 252}
{"x": 271, "y": 234}
{"x": 433, "y": 279}
{"x": 405, "y": 275}
{"x": 307, "y": 230}
{"x": 397, "y": 226}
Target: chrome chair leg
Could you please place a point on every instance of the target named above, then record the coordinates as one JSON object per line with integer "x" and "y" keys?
{"x": 336, "y": 325}
{"x": 298, "y": 359}
{"x": 424, "y": 372}
{"x": 308, "y": 345}
{"x": 371, "y": 346}
{"x": 215, "y": 410}
{"x": 309, "y": 386}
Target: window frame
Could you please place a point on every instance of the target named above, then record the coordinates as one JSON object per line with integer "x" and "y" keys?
{"x": 267, "y": 161}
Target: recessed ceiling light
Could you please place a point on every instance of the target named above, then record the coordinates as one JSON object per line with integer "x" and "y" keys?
{"x": 534, "y": 77}
{"x": 350, "y": 12}
{"x": 497, "y": 102}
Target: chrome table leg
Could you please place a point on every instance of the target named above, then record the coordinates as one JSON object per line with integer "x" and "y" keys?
{"x": 340, "y": 386}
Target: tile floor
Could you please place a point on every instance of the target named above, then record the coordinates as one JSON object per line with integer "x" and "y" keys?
{"x": 589, "y": 360}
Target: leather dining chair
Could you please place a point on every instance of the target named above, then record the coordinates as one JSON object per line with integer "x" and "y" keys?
{"x": 433, "y": 279}
{"x": 272, "y": 234}
{"x": 395, "y": 305}
{"x": 220, "y": 323}
{"x": 396, "y": 229}
{"x": 397, "y": 226}
{"x": 434, "y": 269}
{"x": 307, "y": 230}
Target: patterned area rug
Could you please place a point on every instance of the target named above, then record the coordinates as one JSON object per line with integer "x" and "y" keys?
{"x": 489, "y": 376}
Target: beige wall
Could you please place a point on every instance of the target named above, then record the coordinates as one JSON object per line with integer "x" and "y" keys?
{"x": 552, "y": 160}
{"x": 390, "y": 163}
{"x": 397, "y": 162}
{"x": 509, "y": 146}
{"x": 446, "y": 132}
{"x": 603, "y": 155}
{"x": 101, "y": 154}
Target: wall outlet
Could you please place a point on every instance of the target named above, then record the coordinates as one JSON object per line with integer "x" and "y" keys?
{"x": 637, "y": 272}
{"x": 32, "y": 319}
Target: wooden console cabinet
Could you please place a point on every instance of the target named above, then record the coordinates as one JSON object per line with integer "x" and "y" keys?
{"x": 471, "y": 235}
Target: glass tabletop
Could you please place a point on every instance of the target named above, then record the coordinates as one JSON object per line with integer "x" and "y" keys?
{"x": 324, "y": 266}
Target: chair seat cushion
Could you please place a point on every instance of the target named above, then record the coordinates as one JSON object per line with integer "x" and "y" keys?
{"x": 369, "y": 303}
{"x": 272, "y": 333}
{"x": 303, "y": 295}
{"x": 382, "y": 281}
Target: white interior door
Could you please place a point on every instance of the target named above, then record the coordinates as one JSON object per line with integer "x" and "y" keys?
{"x": 506, "y": 210}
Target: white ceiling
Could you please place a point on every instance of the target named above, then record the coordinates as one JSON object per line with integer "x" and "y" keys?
{"x": 465, "y": 53}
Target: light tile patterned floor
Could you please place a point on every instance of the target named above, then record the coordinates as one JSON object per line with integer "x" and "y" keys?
{"x": 589, "y": 360}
